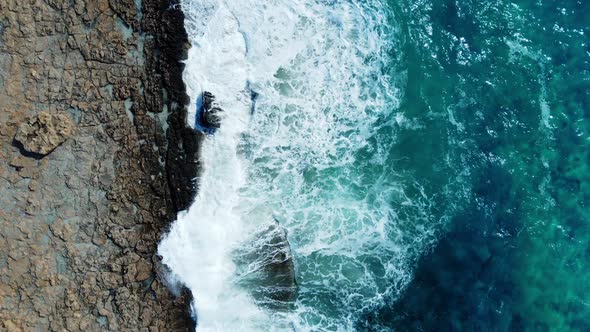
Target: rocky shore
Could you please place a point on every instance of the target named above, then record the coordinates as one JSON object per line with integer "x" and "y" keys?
{"x": 96, "y": 161}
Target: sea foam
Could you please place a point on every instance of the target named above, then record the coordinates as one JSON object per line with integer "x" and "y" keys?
{"x": 310, "y": 155}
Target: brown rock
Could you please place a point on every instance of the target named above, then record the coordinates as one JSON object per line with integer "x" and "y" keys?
{"x": 22, "y": 161}
{"x": 80, "y": 229}
{"x": 45, "y": 132}
{"x": 33, "y": 185}
{"x": 144, "y": 270}
{"x": 11, "y": 327}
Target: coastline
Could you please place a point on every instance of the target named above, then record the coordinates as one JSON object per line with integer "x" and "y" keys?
{"x": 80, "y": 225}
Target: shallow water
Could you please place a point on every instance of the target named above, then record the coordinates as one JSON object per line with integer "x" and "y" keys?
{"x": 427, "y": 158}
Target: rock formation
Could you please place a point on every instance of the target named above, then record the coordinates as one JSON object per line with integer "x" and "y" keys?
{"x": 265, "y": 267}
{"x": 210, "y": 116}
{"x": 79, "y": 227}
{"x": 44, "y": 132}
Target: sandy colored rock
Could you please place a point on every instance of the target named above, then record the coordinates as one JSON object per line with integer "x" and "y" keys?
{"x": 144, "y": 270}
{"x": 44, "y": 132}
{"x": 95, "y": 89}
{"x": 11, "y": 327}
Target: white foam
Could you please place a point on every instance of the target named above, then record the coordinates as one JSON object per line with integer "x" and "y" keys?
{"x": 320, "y": 70}
{"x": 199, "y": 243}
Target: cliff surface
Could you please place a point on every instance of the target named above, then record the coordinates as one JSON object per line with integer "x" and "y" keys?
{"x": 81, "y": 213}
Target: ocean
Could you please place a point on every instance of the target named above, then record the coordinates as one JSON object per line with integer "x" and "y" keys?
{"x": 427, "y": 159}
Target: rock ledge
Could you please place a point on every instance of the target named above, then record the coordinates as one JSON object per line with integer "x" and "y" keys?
{"x": 44, "y": 132}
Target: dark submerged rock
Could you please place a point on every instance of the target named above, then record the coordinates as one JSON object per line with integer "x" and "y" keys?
{"x": 265, "y": 268}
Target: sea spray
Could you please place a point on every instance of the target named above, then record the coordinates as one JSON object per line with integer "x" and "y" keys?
{"x": 313, "y": 153}
{"x": 199, "y": 244}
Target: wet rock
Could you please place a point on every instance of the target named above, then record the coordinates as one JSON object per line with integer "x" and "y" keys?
{"x": 211, "y": 116}
{"x": 208, "y": 100}
{"x": 266, "y": 269}
{"x": 45, "y": 132}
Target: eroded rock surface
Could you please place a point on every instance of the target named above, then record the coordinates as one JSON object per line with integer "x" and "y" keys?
{"x": 44, "y": 132}
{"x": 80, "y": 226}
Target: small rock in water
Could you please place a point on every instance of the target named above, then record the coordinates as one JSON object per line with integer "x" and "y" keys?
{"x": 211, "y": 115}
{"x": 45, "y": 132}
{"x": 208, "y": 100}
{"x": 265, "y": 267}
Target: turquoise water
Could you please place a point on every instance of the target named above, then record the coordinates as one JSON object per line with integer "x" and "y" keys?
{"x": 427, "y": 159}
{"x": 510, "y": 83}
